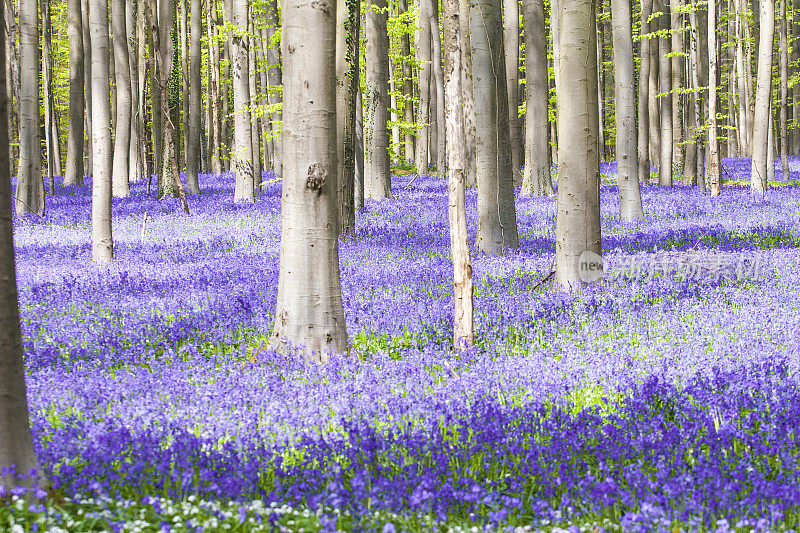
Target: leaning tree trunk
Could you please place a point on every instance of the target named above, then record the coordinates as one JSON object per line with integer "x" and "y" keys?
{"x": 348, "y": 29}
{"x": 52, "y": 143}
{"x": 120, "y": 173}
{"x": 195, "y": 104}
{"x": 30, "y": 187}
{"x": 242, "y": 133}
{"x": 511, "y": 45}
{"x": 643, "y": 136}
{"x": 713, "y": 144}
{"x": 74, "y": 171}
{"x": 497, "y": 218}
{"x": 309, "y": 311}
{"x": 578, "y": 250}
{"x": 16, "y": 444}
{"x": 377, "y": 181}
{"x": 456, "y": 152}
{"x": 697, "y": 109}
{"x": 758, "y": 172}
{"x": 537, "y": 180}
{"x": 630, "y": 198}
{"x": 653, "y": 118}
{"x": 102, "y": 239}
{"x": 784, "y": 45}
{"x": 423, "y": 45}
{"x": 358, "y": 186}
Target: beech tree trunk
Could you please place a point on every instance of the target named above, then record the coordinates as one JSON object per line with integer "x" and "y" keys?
{"x": 511, "y": 45}
{"x": 30, "y": 187}
{"x": 255, "y": 136}
{"x": 578, "y": 249}
{"x": 457, "y": 215}
{"x": 135, "y": 159}
{"x": 242, "y": 132}
{"x": 784, "y": 127}
{"x": 408, "y": 90}
{"x": 537, "y": 180}
{"x": 348, "y": 26}
{"x": 470, "y": 118}
{"x": 630, "y": 199}
{"x": 16, "y": 444}
{"x": 102, "y": 238}
{"x": 423, "y": 44}
{"x": 438, "y": 79}
{"x": 676, "y": 46}
{"x": 377, "y": 180}
{"x": 643, "y": 136}
{"x": 665, "y": 169}
{"x": 74, "y": 171}
{"x": 497, "y": 218}
{"x": 713, "y": 146}
{"x": 122, "y": 123}
{"x": 358, "y": 187}
{"x": 193, "y": 162}
{"x": 275, "y": 77}
{"x": 758, "y": 172}
{"x": 309, "y": 311}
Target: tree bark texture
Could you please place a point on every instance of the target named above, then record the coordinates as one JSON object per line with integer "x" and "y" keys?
{"x": 348, "y": 26}
{"x": 511, "y": 46}
{"x": 377, "y": 179}
{"x": 713, "y": 145}
{"x": 643, "y": 136}
{"x": 758, "y": 172}
{"x": 193, "y": 162}
{"x": 120, "y": 173}
{"x": 74, "y": 172}
{"x": 242, "y": 132}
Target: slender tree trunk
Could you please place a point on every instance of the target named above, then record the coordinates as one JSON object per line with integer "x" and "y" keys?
{"x": 497, "y": 218}
{"x": 695, "y": 60}
{"x": 157, "y": 119}
{"x": 511, "y": 45}
{"x": 758, "y": 173}
{"x": 30, "y": 187}
{"x": 358, "y": 186}
{"x": 784, "y": 127}
{"x": 377, "y": 181}
{"x": 348, "y": 29}
{"x": 193, "y": 162}
{"x": 16, "y": 444}
{"x": 578, "y": 250}
{"x": 438, "y": 78}
{"x": 665, "y": 88}
{"x": 600, "y": 103}
{"x": 213, "y": 62}
{"x": 713, "y": 148}
{"x": 470, "y": 117}
{"x": 266, "y": 128}
{"x": 408, "y": 90}
{"x": 50, "y": 132}
{"x": 74, "y": 172}
{"x": 135, "y": 149}
{"x": 309, "y": 311}
{"x": 654, "y": 119}
{"x": 457, "y": 215}
{"x": 394, "y": 117}
{"x": 183, "y": 40}
{"x": 242, "y": 133}
{"x": 102, "y": 238}
{"x": 630, "y": 198}
{"x": 537, "y": 180}
{"x": 122, "y": 123}
{"x": 275, "y": 77}
{"x": 643, "y": 136}
{"x": 742, "y": 95}
{"x": 423, "y": 43}
{"x": 676, "y": 46}
{"x": 255, "y": 136}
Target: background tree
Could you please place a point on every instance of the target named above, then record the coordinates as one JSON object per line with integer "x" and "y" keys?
{"x": 243, "y": 140}
{"x": 758, "y": 172}
{"x": 348, "y": 26}
{"x": 193, "y": 162}
{"x": 74, "y": 171}
{"x": 122, "y": 123}
{"x": 713, "y": 147}
{"x": 511, "y": 48}
{"x": 377, "y": 178}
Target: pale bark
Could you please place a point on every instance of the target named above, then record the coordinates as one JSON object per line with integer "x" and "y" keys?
{"x": 358, "y": 186}
{"x": 74, "y": 171}
{"x": 102, "y": 238}
{"x": 394, "y": 117}
{"x": 470, "y": 117}
{"x": 654, "y": 119}
{"x": 644, "y": 87}
{"x": 275, "y": 80}
{"x": 497, "y": 219}
{"x": 309, "y": 311}
{"x": 212, "y": 20}
{"x": 16, "y": 443}
{"x": 348, "y": 29}
{"x": 135, "y": 159}
{"x": 193, "y": 162}
{"x": 537, "y": 180}
{"x": 665, "y": 169}
{"x": 255, "y": 135}
{"x": 30, "y": 187}
{"x": 578, "y": 217}
{"x": 438, "y": 79}
{"x": 676, "y": 39}
{"x": 120, "y": 173}
{"x": 713, "y": 145}
{"x": 377, "y": 178}
{"x": 758, "y": 172}
{"x": 630, "y": 199}
{"x": 511, "y": 45}
{"x": 456, "y": 154}
{"x": 183, "y": 39}
{"x": 242, "y": 132}
{"x": 423, "y": 45}
{"x": 408, "y": 90}
{"x": 784, "y": 74}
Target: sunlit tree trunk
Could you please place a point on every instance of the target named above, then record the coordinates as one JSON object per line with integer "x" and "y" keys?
{"x": 358, "y": 186}
{"x": 423, "y": 45}
{"x": 758, "y": 172}
{"x": 74, "y": 171}
{"x": 242, "y": 132}
{"x": 665, "y": 86}
{"x": 470, "y": 117}
{"x": 309, "y": 311}
{"x": 377, "y": 180}
{"x": 408, "y": 90}
{"x": 713, "y": 145}
{"x": 784, "y": 68}
{"x": 438, "y": 81}
{"x": 275, "y": 77}
{"x": 676, "y": 46}
{"x": 193, "y": 162}
{"x": 348, "y": 29}
{"x": 52, "y": 141}
{"x": 511, "y": 46}
{"x": 120, "y": 173}
{"x": 696, "y": 99}
{"x": 212, "y": 20}
{"x": 654, "y": 119}
{"x": 644, "y": 78}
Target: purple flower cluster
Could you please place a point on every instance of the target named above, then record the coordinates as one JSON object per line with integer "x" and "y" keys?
{"x": 645, "y": 400}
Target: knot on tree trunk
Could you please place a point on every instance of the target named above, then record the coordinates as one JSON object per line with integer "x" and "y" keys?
{"x": 316, "y": 177}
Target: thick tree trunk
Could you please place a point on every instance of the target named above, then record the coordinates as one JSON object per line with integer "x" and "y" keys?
{"x": 102, "y": 238}
{"x": 30, "y": 187}
{"x": 438, "y": 79}
{"x": 470, "y": 118}
{"x": 16, "y": 444}
{"x": 193, "y": 162}
{"x": 758, "y": 172}
{"x": 643, "y": 136}
{"x": 423, "y": 45}
{"x": 120, "y": 173}
{"x": 697, "y": 110}
{"x": 183, "y": 39}
{"x": 457, "y": 215}
{"x": 348, "y": 29}
{"x": 309, "y": 311}
{"x": 713, "y": 145}
{"x": 394, "y": 117}
{"x": 578, "y": 250}
{"x": 784, "y": 68}
{"x": 266, "y": 128}
{"x": 537, "y": 180}
{"x": 74, "y": 171}
{"x": 377, "y": 180}
{"x": 242, "y": 132}
{"x": 630, "y": 199}
{"x": 497, "y": 218}
{"x": 511, "y": 45}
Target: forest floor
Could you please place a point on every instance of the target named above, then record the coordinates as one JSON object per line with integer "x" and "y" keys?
{"x": 664, "y": 398}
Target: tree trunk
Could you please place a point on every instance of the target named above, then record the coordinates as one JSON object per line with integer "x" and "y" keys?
{"x": 102, "y": 238}
{"x": 193, "y": 162}
{"x": 697, "y": 83}
{"x": 358, "y": 186}
{"x": 348, "y": 29}
{"x": 537, "y": 180}
{"x": 457, "y": 215}
{"x": 600, "y": 103}
{"x": 713, "y": 148}
{"x": 665, "y": 87}
{"x": 183, "y": 38}
{"x": 408, "y": 90}
{"x": 255, "y": 136}
{"x": 122, "y": 123}
{"x": 511, "y": 44}
{"x": 157, "y": 119}
{"x": 309, "y": 313}
{"x": 16, "y": 444}
{"x": 676, "y": 23}
{"x": 275, "y": 77}
{"x": 213, "y": 62}
{"x": 135, "y": 159}
{"x": 423, "y": 44}
{"x": 470, "y": 118}
{"x": 654, "y": 119}
{"x": 377, "y": 181}
{"x": 74, "y": 171}
{"x": 30, "y": 187}
{"x": 784, "y": 126}
{"x": 578, "y": 250}
{"x": 643, "y": 147}
{"x": 52, "y": 154}
{"x": 497, "y": 218}
{"x": 742, "y": 95}
{"x": 242, "y": 133}
{"x": 394, "y": 117}
{"x": 758, "y": 172}
{"x": 630, "y": 198}
{"x": 438, "y": 78}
